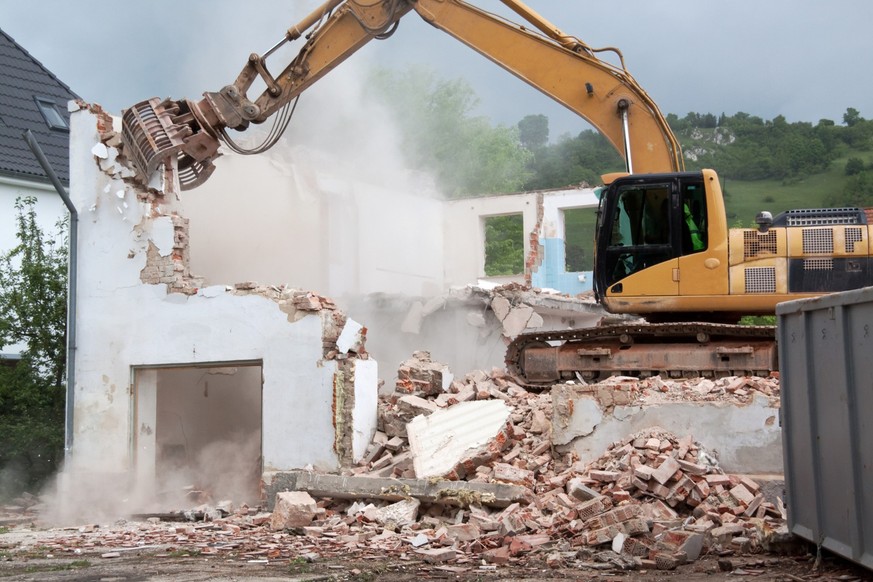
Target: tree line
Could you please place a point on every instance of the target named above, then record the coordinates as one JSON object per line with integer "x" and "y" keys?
{"x": 470, "y": 156}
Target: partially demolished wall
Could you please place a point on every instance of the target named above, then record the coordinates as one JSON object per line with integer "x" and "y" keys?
{"x": 141, "y": 308}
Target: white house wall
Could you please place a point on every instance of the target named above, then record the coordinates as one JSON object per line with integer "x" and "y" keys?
{"x": 124, "y": 322}
{"x": 465, "y": 234}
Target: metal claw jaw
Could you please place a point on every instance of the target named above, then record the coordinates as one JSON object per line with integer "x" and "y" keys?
{"x": 154, "y": 130}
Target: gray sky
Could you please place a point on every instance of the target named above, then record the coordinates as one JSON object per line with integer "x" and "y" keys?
{"x": 804, "y": 59}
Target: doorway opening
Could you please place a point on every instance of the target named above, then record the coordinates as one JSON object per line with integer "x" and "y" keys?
{"x": 198, "y": 433}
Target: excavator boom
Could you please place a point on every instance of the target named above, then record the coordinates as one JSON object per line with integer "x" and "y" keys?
{"x": 663, "y": 249}
{"x": 558, "y": 64}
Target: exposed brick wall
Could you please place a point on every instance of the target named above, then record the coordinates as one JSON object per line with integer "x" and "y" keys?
{"x": 171, "y": 270}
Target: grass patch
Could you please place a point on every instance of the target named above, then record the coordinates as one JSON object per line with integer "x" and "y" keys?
{"x": 299, "y": 565}
{"x": 745, "y": 199}
{"x": 180, "y": 553}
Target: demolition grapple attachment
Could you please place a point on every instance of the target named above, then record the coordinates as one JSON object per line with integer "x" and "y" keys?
{"x": 154, "y": 131}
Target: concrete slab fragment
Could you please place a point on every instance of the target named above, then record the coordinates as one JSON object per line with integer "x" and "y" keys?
{"x": 584, "y": 417}
{"x": 517, "y": 321}
{"x": 500, "y": 306}
{"x": 292, "y": 509}
{"x": 439, "y": 441}
{"x": 744, "y": 435}
{"x": 452, "y": 493}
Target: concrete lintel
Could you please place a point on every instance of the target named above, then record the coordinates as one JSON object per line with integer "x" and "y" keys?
{"x": 455, "y": 493}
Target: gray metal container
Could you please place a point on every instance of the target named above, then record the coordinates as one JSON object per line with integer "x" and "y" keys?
{"x": 826, "y": 369}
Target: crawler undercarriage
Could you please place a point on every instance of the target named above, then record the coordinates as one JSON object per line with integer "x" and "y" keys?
{"x": 667, "y": 349}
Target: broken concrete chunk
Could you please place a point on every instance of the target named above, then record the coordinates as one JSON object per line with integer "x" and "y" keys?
{"x": 517, "y": 321}
{"x": 421, "y": 375}
{"x": 439, "y": 442}
{"x": 351, "y": 339}
{"x": 500, "y": 306}
{"x": 574, "y": 414}
{"x": 579, "y": 490}
{"x": 419, "y": 540}
{"x": 292, "y": 509}
{"x": 539, "y": 422}
{"x": 100, "y": 151}
{"x": 436, "y": 555}
{"x": 411, "y": 406}
{"x": 400, "y": 514}
{"x": 463, "y": 532}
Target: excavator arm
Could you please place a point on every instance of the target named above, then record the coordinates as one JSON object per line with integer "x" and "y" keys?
{"x": 559, "y": 65}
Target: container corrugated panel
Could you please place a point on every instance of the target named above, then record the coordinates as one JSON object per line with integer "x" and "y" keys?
{"x": 826, "y": 371}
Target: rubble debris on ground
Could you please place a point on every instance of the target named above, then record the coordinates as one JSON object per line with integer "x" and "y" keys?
{"x": 653, "y": 500}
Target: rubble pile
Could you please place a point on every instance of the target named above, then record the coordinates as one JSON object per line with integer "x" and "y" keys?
{"x": 462, "y": 475}
{"x": 734, "y": 389}
{"x": 651, "y": 500}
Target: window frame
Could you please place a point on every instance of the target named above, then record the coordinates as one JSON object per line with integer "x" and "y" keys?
{"x": 46, "y": 106}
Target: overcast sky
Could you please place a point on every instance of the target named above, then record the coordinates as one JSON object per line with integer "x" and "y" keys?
{"x": 804, "y": 59}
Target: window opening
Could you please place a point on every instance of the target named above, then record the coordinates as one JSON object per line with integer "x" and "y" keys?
{"x": 579, "y": 232}
{"x": 504, "y": 245}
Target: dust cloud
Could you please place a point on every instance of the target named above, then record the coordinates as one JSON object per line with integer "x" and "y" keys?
{"x": 225, "y": 470}
{"x": 332, "y": 208}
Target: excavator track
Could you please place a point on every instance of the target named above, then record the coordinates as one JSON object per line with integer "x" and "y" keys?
{"x": 675, "y": 350}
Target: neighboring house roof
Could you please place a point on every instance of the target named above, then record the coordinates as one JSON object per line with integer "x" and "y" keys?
{"x": 31, "y": 97}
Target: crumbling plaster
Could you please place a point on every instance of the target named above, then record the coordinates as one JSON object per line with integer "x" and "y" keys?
{"x": 125, "y": 322}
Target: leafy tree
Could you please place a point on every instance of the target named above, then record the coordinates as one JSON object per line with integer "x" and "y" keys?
{"x": 573, "y": 160}
{"x": 852, "y": 116}
{"x": 33, "y": 313}
{"x": 854, "y": 166}
{"x": 533, "y": 131}
{"x": 857, "y": 192}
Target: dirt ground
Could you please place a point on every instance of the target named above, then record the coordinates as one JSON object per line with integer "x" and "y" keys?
{"x": 33, "y": 554}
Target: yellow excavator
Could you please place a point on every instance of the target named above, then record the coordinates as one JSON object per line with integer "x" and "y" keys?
{"x": 663, "y": 248}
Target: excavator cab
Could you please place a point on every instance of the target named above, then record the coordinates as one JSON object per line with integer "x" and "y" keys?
{"x": 647, "y": 221}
